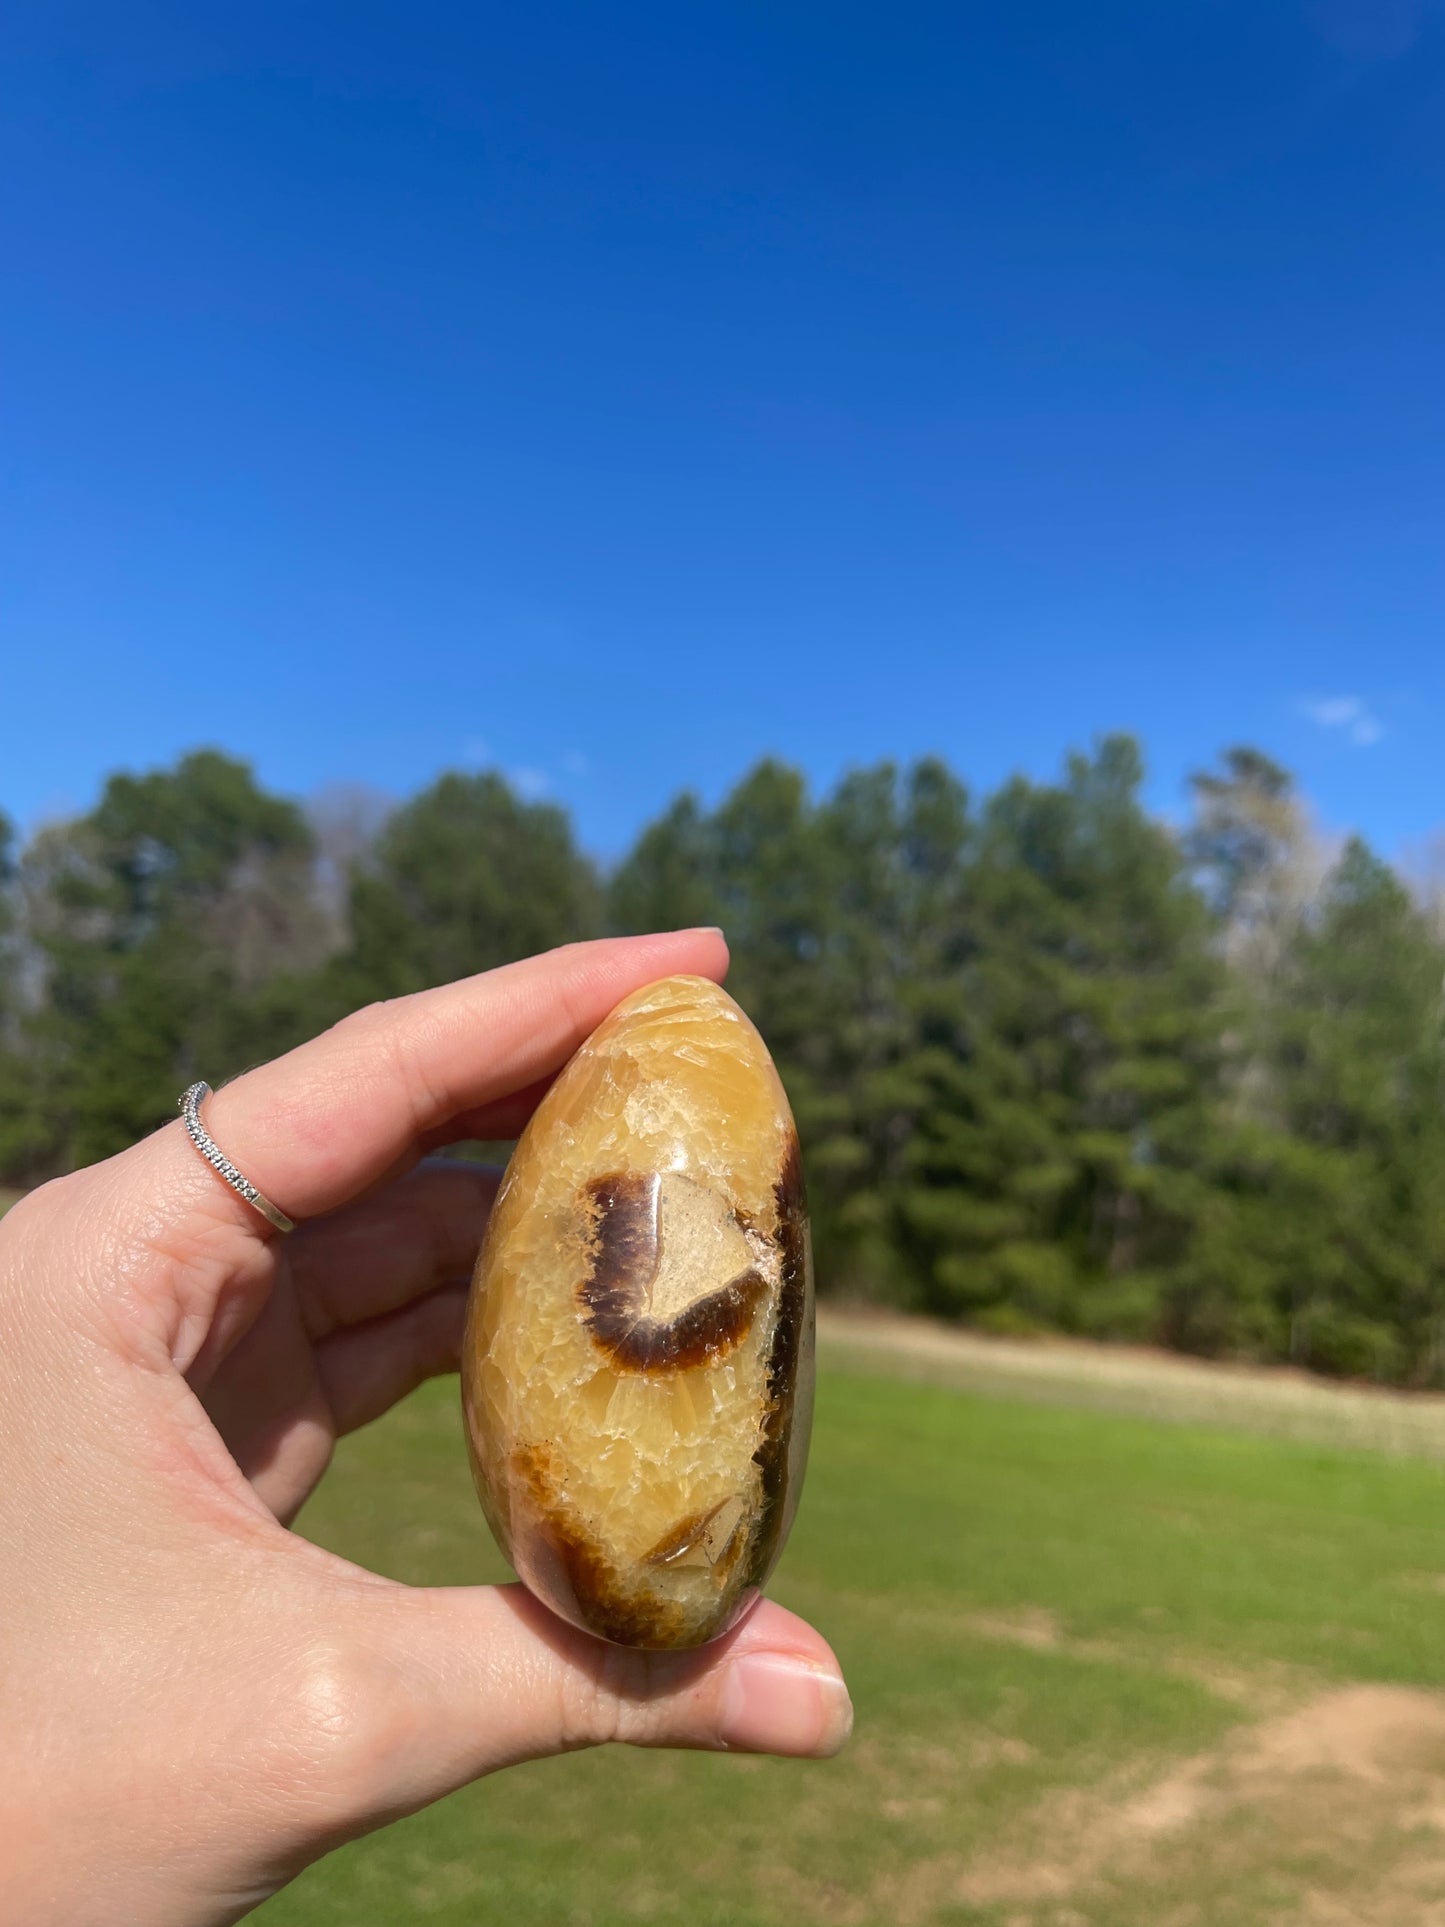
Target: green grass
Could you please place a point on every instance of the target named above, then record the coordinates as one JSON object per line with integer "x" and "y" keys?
{"x": 1043, "y": 1612}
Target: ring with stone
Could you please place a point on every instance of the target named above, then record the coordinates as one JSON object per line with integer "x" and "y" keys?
{"x": 190, "y": 1109}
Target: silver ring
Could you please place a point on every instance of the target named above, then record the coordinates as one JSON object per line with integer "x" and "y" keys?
{"x": 190, "y": 1109}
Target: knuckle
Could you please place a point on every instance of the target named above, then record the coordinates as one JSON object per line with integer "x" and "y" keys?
{"x": 393, "y": 1037}
{"x": 341, "y": 1736}
{"x": 364, "y": 1020}
{"x": 611, "y": 1699}
{"x": 588, "y": 1713}
{"x": 48, "y": 1204}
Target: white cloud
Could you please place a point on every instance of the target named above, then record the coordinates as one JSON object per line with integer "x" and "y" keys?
{"x": 575, "y": 763}
{"x": 1348, "y": 714}
{"x": 529, "y": 783}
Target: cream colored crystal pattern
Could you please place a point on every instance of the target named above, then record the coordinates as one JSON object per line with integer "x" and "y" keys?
{"x": 638, "y": 1367}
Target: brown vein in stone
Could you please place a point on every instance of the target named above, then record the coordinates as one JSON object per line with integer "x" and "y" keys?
{"x": 771, "y": 1456}
{"x": 627, "y": 1259}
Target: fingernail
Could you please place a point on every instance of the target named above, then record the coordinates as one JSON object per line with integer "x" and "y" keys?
{"x": 776, "y": 1705}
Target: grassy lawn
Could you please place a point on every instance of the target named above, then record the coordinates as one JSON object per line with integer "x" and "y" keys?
{"x": 1107, "y": 1670}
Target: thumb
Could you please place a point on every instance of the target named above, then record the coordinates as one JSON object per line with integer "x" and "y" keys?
{"x": 457, "y": 1682}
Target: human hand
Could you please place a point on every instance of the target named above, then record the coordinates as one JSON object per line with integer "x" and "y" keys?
{"x": 195, "y": 1703}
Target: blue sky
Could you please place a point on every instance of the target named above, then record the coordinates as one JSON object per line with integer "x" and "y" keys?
{"x": 616, "y": 394}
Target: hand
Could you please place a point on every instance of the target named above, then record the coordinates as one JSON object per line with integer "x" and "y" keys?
{"x": 194, "y": 1702}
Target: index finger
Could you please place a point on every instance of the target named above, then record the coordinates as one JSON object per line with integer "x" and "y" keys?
{"x": 318, "y": 1126}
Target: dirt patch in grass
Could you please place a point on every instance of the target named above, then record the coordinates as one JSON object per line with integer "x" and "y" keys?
{"x": 1352, "y": 1780}
{"x": 1332, "y": 1812}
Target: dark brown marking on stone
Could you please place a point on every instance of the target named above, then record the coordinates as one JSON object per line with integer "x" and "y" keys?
{"x": 606, "y": 1605}
{"x": 681, "y": 1539}
{"x": 771, "y": 1456}
{"x": 626, "y": 1257}
{"x": 692, "y": 1534}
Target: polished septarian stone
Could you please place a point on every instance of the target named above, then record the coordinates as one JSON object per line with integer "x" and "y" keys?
{"x": 638, "y": 1367}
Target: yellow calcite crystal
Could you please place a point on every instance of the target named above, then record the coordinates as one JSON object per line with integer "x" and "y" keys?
{"x": 637, "y": 1373}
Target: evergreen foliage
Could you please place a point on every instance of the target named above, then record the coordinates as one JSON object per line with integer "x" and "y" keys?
{"x": 1055, "y": 1065}
{"x": 462, "y": 878}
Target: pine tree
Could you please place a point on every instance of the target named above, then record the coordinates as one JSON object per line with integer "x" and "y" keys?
{"x": 462, "y": 878}
{"x": 1052, "y": 1176}
{"x": 898, "y": 848}
{"x": 669, "y": 880}
{"x": 159, "y": 918}
{"x": 1356, "y": 1070}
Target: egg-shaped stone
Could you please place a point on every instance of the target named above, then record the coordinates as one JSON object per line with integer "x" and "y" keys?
{"x": 637, "y": 1372}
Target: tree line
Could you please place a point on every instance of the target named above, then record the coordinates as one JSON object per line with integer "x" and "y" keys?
{"x": 1057, "y": 1065}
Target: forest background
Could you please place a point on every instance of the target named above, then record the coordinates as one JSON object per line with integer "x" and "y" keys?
{"x": 1057, "y": 1065}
